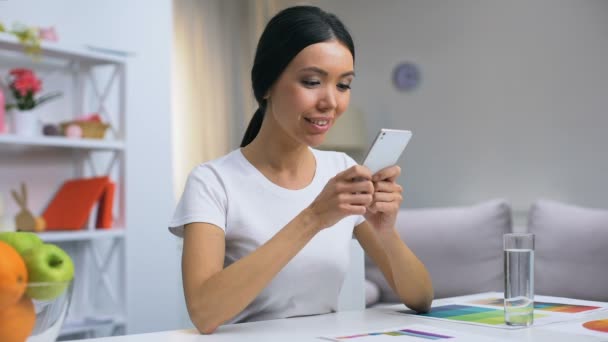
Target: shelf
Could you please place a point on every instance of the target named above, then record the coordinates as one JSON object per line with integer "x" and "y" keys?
{"x": 95, "y": 80}
{"x": 61, "y": 51}
{"x": 87, "y": 325}
{"x": 82, "y": 235}
{"x": 46, "y": 141}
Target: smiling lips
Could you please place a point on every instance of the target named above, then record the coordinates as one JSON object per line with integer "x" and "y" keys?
{"x": 319, "y": 125}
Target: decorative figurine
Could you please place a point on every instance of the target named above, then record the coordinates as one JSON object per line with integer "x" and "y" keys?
{"x": 24, "y": 220}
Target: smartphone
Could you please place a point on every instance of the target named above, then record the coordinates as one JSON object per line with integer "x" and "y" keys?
{"x": 386, "y": 149}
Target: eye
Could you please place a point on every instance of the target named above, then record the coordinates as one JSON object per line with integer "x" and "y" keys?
{"x": 343, "y": 86}
{"x": 310, "y": 83}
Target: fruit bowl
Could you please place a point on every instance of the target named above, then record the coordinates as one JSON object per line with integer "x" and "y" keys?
{"x": 38, "y": 315}
{"x": 51, "y": 308}
{"x": 35, "y": 288}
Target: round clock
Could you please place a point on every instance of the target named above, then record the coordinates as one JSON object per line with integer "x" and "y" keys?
{"x": 406, "y": 76}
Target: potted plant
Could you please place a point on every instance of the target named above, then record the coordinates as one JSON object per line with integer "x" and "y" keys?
{"x": 24, "y": 86}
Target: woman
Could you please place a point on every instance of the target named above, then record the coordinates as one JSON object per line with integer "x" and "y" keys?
{"x": 267, "y": 227}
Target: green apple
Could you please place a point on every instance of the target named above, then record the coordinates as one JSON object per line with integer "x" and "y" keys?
{"x": 48, "y": 263}
{"x": 21, "y": 241}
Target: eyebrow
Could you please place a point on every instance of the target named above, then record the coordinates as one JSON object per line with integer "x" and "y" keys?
{"x": 324, "y": 73}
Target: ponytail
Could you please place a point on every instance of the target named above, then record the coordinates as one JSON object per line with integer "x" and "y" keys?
{"x": 254, "y": 127}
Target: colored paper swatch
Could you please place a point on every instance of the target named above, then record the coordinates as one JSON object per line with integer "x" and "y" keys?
{"x": 402, "y": 332}
{"x": 553, "y": 307}
{"x": 600, "y": 325}
{"x": 466, "y": 313}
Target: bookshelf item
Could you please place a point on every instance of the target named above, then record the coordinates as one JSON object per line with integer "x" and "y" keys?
{"x": 106, "y": 203}
{"x": 24, "y": 220}
{"x": 90, "y": 130}
{"x": 74, "y": 202}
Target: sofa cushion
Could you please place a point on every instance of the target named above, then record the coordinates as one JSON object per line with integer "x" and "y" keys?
{"x": 571, "y": 252}
{"x": 460, "y": 246}
{"x": 372, "y": 293}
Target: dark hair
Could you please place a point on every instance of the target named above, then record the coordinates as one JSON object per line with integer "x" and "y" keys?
{"x": 285, "y": 35}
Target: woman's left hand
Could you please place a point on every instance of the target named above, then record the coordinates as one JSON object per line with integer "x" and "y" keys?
{"x": 382, "y": 212}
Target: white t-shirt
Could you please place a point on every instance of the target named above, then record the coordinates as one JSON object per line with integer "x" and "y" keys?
{"x": 232, "y": 194}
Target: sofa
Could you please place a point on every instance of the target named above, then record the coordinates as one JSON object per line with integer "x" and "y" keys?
{"x": 462, "y": 249}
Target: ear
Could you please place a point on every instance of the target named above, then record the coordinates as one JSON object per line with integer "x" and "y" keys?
{"x": 16, "y": 197}
{"x": 24, "y": 193}
{"x": 269, "y": 91}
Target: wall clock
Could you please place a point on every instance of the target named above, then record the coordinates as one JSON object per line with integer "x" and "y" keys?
{"x": 406, "y": 76}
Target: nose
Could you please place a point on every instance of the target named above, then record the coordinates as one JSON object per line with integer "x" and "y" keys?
{"x": 328, "y": 99}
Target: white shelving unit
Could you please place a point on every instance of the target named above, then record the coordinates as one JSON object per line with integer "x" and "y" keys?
{"x": 42, "y": 141}
{"x": 82, "y": 235}
{"x": 98, "y": 305}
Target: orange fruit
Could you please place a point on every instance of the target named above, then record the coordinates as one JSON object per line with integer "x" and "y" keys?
{"x": 13, "y": 276}
{"x": 17, "y": 321}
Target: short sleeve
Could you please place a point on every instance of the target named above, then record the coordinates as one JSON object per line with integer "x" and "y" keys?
{"x": 349, "y": 162}
{"x": 203, "y": 200}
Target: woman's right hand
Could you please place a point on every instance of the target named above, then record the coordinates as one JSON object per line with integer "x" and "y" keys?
{"x": 349, "y": 193}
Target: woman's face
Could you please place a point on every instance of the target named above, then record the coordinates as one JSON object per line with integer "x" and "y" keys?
{"x": 312, "y": 92}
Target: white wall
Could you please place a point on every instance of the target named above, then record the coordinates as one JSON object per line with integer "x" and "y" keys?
{"x": 512, "y": 101}
{"x": 145, "y": 28}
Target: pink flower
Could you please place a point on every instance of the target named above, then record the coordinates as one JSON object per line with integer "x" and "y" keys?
{"x": 27, "y": 82}
{"x": 48, "y": 34}
{"x": 24, "y": 85}
{"x": 18, "y": 72}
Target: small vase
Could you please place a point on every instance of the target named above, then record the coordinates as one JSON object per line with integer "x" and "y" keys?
{"x": 25, "y": 122}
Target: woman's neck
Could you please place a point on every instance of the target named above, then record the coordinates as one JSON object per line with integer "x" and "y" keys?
{"x": 280, "y": 158}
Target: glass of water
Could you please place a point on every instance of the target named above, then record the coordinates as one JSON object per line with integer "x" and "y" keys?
{"x": 519, "y": 278}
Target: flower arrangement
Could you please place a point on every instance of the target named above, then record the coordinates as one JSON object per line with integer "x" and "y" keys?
{"x": 29, "y": 37}
{"x": 24, "y": 86}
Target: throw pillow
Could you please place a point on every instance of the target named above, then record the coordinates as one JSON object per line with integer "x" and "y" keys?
{"x": 571, "y": 250}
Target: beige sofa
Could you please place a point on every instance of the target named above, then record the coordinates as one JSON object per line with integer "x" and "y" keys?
{"x": 462, "y": 249}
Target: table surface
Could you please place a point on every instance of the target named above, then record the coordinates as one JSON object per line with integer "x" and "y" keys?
{"x": 336, "y": 324}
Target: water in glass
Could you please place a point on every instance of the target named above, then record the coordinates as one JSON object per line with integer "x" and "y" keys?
{"x": 519, "y": 286}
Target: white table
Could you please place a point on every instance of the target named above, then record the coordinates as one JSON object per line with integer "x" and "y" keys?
{"x": 336, "y": 324}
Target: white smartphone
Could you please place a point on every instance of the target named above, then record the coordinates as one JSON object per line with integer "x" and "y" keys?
{"x": 386, "y": 149}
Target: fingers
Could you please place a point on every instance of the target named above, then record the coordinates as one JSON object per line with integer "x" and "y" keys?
{"x": 354, "y": 204}
{"x": 387, "y": 174}
{"x": 355, "y": 186}
{"x": 355, "y": 172}
{"x": 385, "y": 201}
{"x": 358, "y": 191}
{"x": 384, "y": 207}
{"x": 387, "y": 197}
{"x": 356, "y": 199}
{"x": 355, "y": 209}
{"x": 386, "y": 186}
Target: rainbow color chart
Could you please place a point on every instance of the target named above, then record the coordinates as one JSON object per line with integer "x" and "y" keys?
{"x": 486, "y": 309}
{"x": 542, "y": 306}
{"x": 411, "y": 333}
{"x": 401, "y": 332}
{"x": 465, "y": 313}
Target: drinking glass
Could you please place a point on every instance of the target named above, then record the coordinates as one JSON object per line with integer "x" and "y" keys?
{"x": 519, "y": 278}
